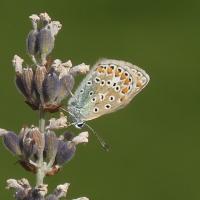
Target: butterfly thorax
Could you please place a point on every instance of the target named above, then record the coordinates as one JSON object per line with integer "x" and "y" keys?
{"x": 75, "y": 114}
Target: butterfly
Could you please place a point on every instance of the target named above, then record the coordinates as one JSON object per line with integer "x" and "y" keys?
{"x": 109, "y": 86}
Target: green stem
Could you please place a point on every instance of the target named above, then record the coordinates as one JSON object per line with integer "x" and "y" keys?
{"x": 41, "y": 167}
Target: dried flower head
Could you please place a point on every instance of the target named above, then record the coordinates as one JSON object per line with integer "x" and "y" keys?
{"x": 28, "y": 144}
{"x": 46, "y": 86}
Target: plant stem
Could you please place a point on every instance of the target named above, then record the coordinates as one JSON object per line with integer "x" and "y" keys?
{"x": 41, "y": 165}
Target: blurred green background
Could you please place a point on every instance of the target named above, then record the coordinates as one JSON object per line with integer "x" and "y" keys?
{"x": 155, "y": 140}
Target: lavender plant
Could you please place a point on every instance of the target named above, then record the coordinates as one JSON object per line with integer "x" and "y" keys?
{"x": 44, "y": 86}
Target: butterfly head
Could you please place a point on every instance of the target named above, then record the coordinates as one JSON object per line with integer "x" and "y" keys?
{"x": 79, "y": 125}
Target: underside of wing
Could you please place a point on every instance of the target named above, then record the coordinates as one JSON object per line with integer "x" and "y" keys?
{"x": 109, "y": 86}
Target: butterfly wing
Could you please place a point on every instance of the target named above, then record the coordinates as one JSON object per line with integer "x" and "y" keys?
{"x": 109, "y": 86}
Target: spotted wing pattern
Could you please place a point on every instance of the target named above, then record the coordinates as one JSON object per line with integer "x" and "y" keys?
{"x": 109, "y": 86}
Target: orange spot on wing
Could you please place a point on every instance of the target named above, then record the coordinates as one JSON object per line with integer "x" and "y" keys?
{"x": 109, "y": 70}
{"x": 117, "y": 73}
{"x": 100, "y": 69}
{"x": 121, "y": 99}
{"x": 139, "y": 84}
{"x": 123, "y": 76}
{"x": 125, "y": 90}
{"x": 127, "y": 81}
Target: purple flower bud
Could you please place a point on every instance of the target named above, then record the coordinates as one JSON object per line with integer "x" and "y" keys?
{"x": 68, "y": 136}
{"x": 51, "y": 146}
{"x": 26, "y": 85}
{"x": 27, "y": 78}
{"x": 30, "y": 143}
{"x": 45, "y": 42}
{"x": 40, "y": 74}
{"x": 51, "y": 87}
{"x": 65, "y": 153}
{"x": 32, "y": 38}
{"x": 39, "y": 192}
{"x": 11, "y": 141}
{"x": 32, "y": 42}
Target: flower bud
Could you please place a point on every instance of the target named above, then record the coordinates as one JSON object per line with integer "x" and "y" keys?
{"x": 51, "y": 87}
{"x": 65, "y": 152}
{"x": 51, "y": 146}
{"x": 11, "y": 141}
{"x": 55, "y": 27}
{"x": 82, "y": 69}
{"x": 17, "y": 64}
{"x": 32, "y": 38}
{"x": 57, "y": 123}
{"x": 39, "y": 192}
{"x": 30, "y": 143}
{"x": 40, "y": 74}
{"x": 68, "y": 136}
{"x": 22, "y": 188}
{"x": 27, "y": 78}
{"x": 61, "y": 190}
{"x": 45, "y": 42}
{"x": 45, "y": 18}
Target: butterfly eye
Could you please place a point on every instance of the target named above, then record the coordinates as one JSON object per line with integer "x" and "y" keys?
{"x": 111, "y": 98}
{"x": 96, "y": 110}
{"x": 130, "y": 79}
{"x": 93, "y": 99}
{"x": 79, "y": 125}
{"x": 97, "y": 80}
{"x": 91, "y": 93}
{"x": 89, "y": 82}
{"x": 107, "y": 106}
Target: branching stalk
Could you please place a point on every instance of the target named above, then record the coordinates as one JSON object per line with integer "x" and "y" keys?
{"x": 41, "y": 165}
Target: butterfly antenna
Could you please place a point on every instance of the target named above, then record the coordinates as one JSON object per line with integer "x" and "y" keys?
{"x": 100, "y": 139}
{"x": 63, "y": 109}
{"x": 70, "y": 92}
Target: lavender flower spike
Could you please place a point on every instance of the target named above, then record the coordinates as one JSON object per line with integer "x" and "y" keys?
{"x": 44, "y": 85}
